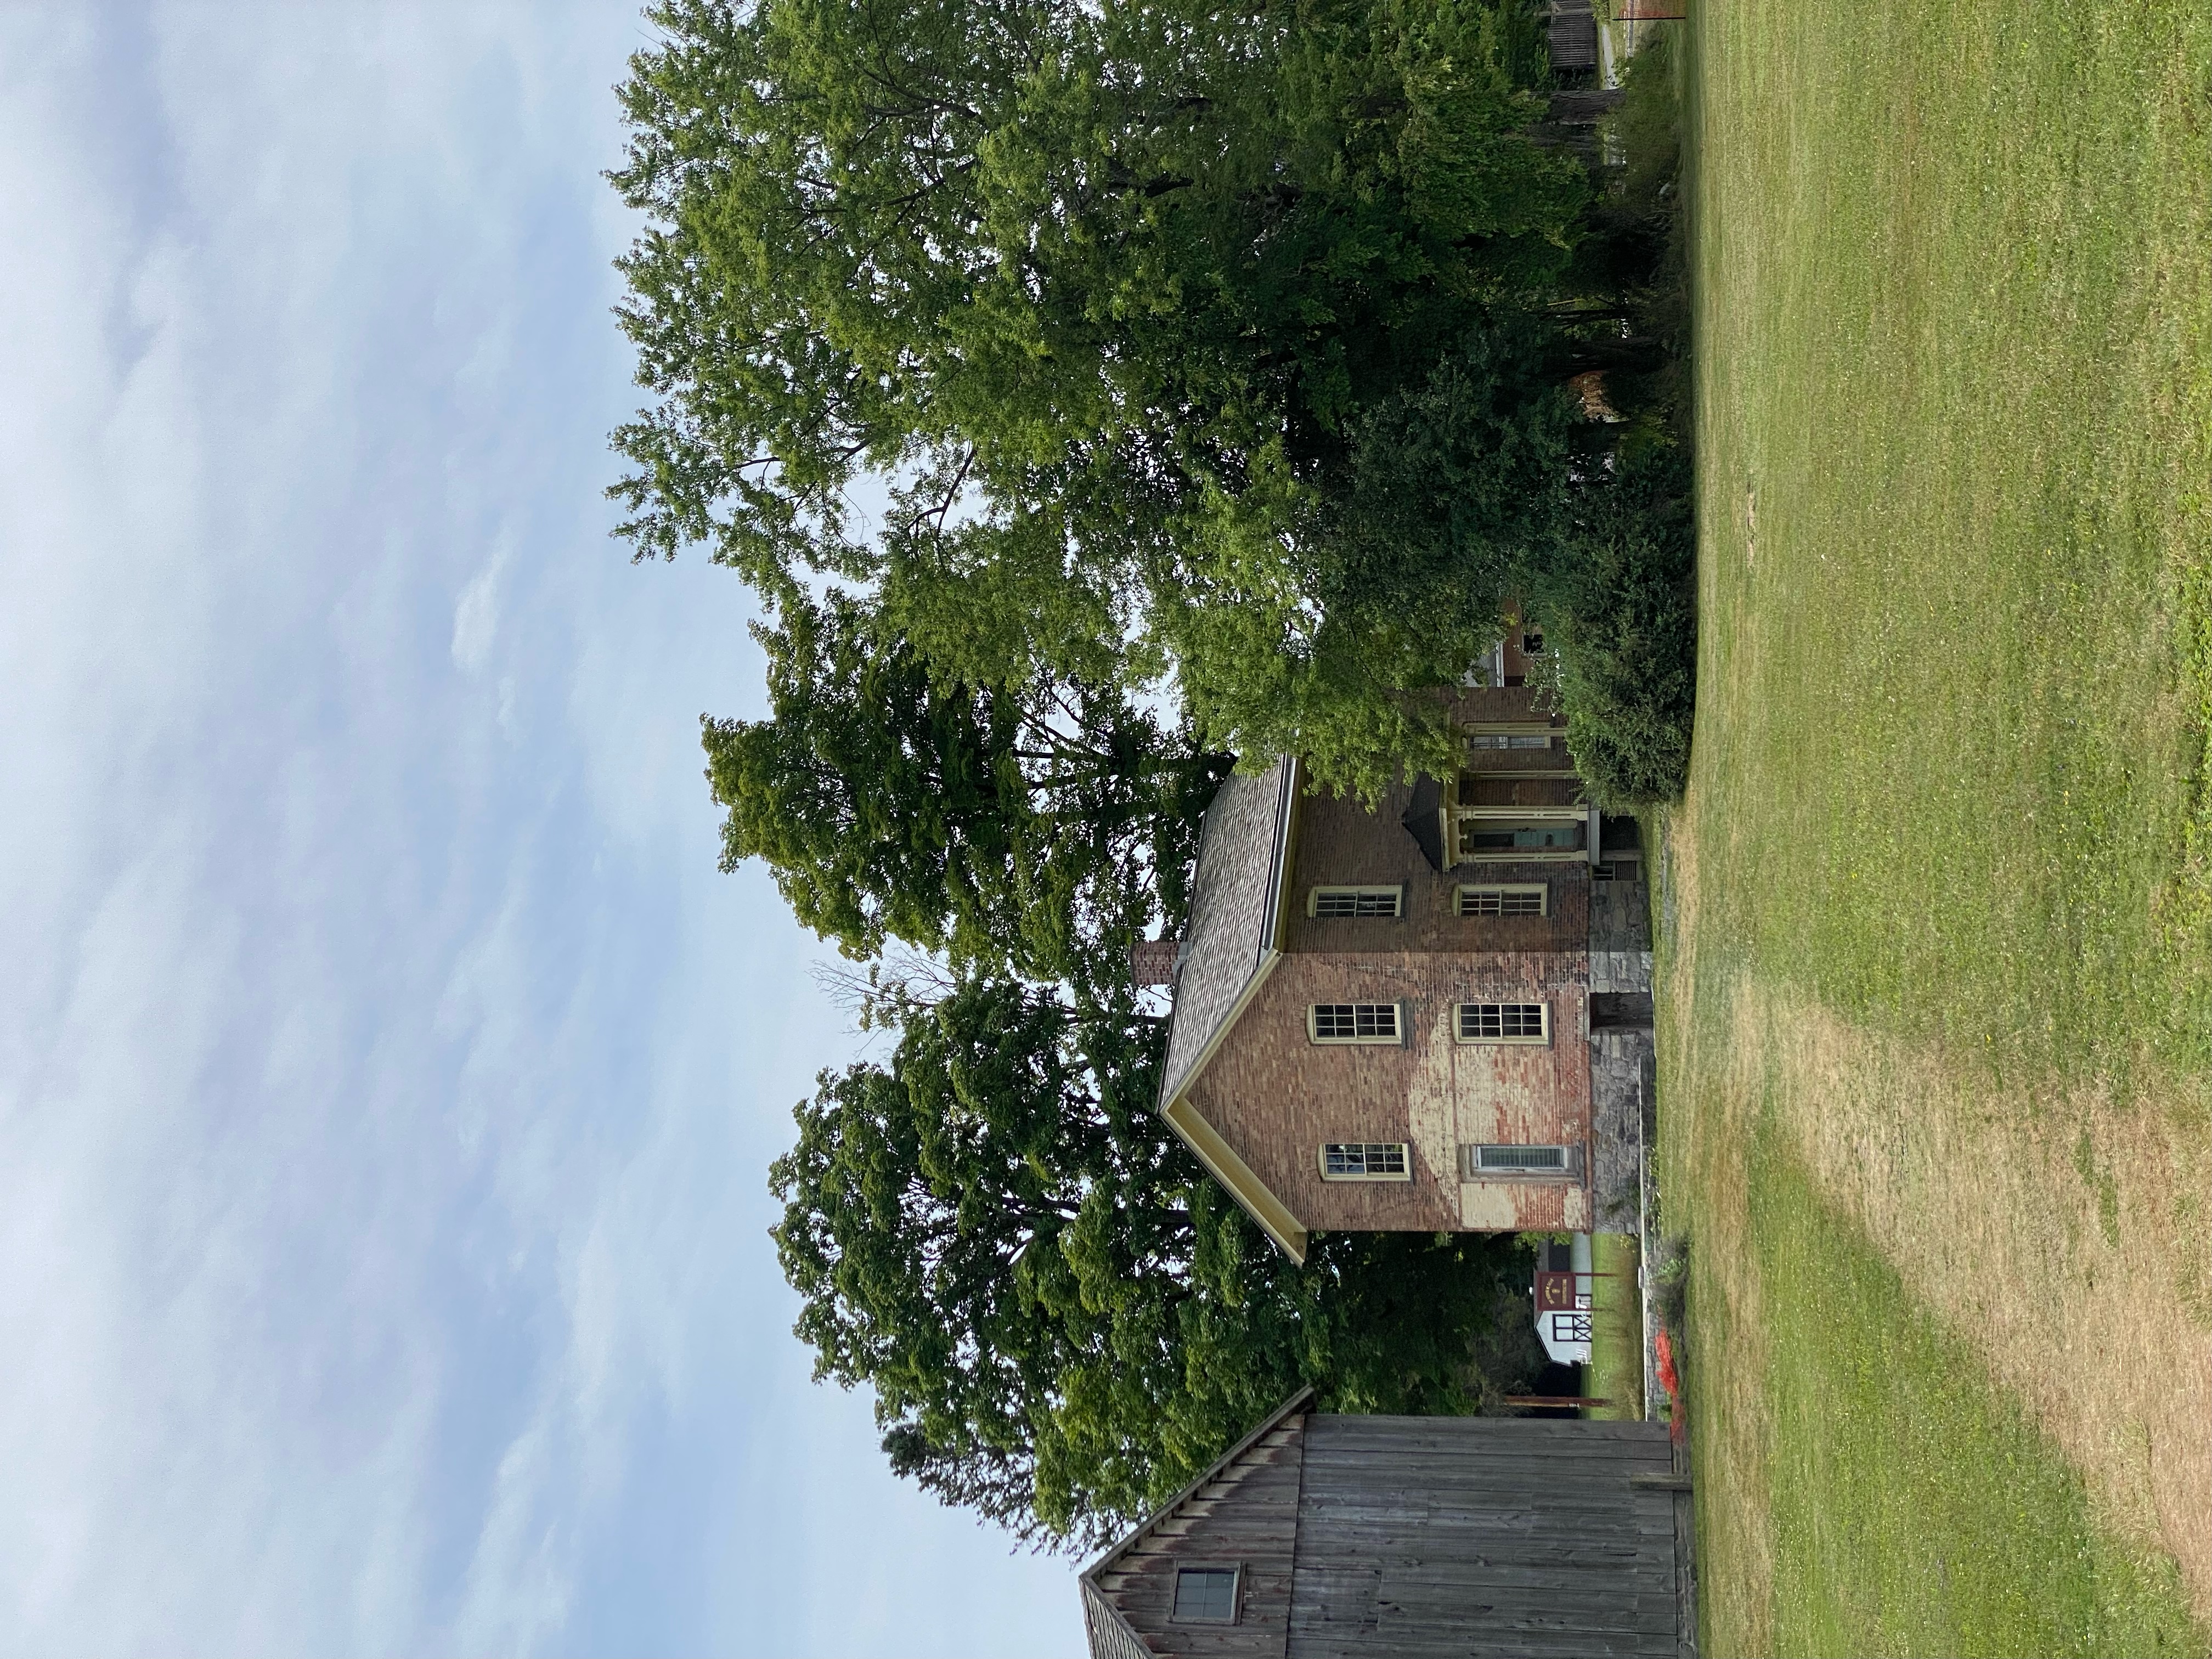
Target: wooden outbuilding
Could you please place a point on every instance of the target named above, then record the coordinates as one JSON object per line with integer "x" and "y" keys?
{"x": 1571, "y": 36}
{"x": 1336, "y": 1537}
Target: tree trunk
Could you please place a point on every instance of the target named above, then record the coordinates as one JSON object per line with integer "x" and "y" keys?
{"x": 1639, "y": 354}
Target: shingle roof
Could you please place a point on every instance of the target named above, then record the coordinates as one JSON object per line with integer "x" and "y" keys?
{"x": 1232, "y": 913}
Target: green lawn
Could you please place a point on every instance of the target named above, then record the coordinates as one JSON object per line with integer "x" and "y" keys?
{"x": 1940, "y": 888}
{"x": 1913, "y": 1509}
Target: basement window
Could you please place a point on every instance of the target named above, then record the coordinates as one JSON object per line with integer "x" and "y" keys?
{"x": 1355, "y": 901}
{"x": 1365, "y": 1160}
{"x": 1205, "y": 1596}
{"x": 1516, "y": 901}
{"x": 1353, "y": 1022}
{"x": 1504, "y": 1021}
{"x": 1476, "y": 1161}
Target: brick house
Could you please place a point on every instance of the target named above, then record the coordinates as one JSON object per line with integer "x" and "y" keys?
{"x": 1433, "y": 1016}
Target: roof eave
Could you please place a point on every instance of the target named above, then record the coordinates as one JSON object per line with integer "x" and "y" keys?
{"x": 1303, "y": 1397}
{"x": 1207, "y": 1144}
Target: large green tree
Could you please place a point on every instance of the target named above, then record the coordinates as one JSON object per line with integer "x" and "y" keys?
{"x": 1062, "y": 1318}
{"x": 1036, "y": 828}
{"x": 1098, "y": 296}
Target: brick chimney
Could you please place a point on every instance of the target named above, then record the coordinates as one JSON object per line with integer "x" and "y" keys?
{"x": 1152, "y": 961}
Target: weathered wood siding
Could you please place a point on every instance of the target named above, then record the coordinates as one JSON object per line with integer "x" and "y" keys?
{"x": 1482, "y": 1536}
{"x": 1572, "y": 35}
{"x": 1246, "y": 1515}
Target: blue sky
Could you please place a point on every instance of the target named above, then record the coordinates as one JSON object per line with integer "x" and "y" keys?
{"x": 388, "y": 1077}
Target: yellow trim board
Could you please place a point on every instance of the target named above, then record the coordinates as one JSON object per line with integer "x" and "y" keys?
{"x": 1252, "y": 1195}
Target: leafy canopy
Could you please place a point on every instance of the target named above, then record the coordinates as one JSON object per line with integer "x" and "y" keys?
{"x": 1037, "y": 829}
{"x": 1063, "y": 1317}
{"x": 1097, "y": 297}
{"x": 1172, "y": 348}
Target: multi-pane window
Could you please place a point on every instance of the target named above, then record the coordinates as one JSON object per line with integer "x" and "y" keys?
{"x": 1204, "y": 1596}
{"x": 1504, "y": 1021}
{"x": 1523, "y": 901}
{"x": 1353, "y": 901}
{"x": 1508, "y": 740}
{"x": 1505, "y": 841}
{"x": 1365, "y": 1160}
{"x": 1514, "y": 1160}
{"x": 1354, "y": 1022}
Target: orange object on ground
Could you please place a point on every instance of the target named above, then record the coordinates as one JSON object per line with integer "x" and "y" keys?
{"x": 1678, "y": 1425}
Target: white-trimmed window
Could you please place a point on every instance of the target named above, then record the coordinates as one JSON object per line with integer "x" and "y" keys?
{"x": 1205, "y": 1596}
{"x": 1353, "y": 1022}
{"x": 1495, "y": 835}
{"x": 1355, "y": 901}
{"x": 1480, "y": 1163}
{"x": 1527, "y": 899}
{"x": 1365, "y": 1160}
{"x": 1508, "y": 740}
{"x": 1504, "y": 1021}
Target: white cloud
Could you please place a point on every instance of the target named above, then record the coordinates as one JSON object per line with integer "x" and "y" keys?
{"x": 476, "y": 614}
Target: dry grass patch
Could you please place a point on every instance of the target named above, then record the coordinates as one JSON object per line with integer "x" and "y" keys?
{"x": 1937, "y": 1408}
{"x": 2053, "y": 1233}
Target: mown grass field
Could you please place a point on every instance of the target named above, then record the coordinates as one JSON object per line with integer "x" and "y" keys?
{"x": 1935, "y": 1019}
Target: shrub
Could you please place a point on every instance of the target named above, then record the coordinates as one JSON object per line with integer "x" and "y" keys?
{"x": 1618, "y": 602}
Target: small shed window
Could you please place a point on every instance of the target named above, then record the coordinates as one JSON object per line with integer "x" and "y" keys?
{"x": 1365, "y": 1160}
{"x": 1515, "y": 1160}
{"x": 1504, "y": 1021}
{"x": 1205, "y": 1596}
{"x": 1353, "y": 1022}
{"x": 1354, "y": 901}
{"x": 1520, "y": 901}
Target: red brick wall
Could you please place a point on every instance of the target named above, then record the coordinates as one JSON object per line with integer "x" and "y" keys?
{"x": 1276, "y": 1097}
{"x": 1340, "y": 844}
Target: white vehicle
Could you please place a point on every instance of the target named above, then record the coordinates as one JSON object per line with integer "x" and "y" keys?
{"x": 1562, "y": 1295}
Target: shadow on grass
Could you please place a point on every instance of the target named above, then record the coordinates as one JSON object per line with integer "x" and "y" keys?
{"x": 1912, "y": 1508}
